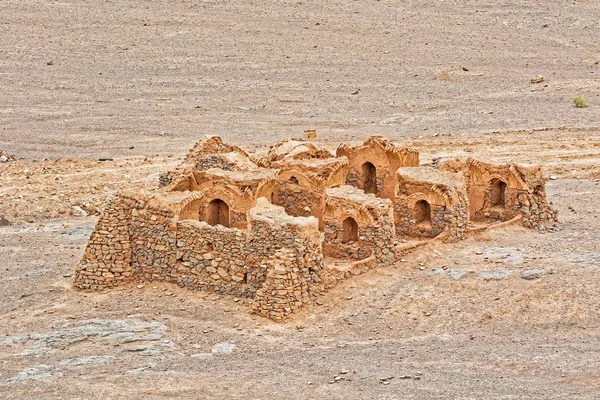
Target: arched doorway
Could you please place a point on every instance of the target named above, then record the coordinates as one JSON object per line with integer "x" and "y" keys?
{"x": 369, "y": 178}
{"x": 350, "y": 230}
{"x": 422, "y": 212}
{"x": 497, "y": 193}
{"x": 217, "y": 213}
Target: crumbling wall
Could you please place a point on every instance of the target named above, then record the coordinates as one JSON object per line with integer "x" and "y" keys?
{"x": 385, "y": 157}
{"x": 210, "y": 152}
{"x": 535, "y": 209}
{"x": 296, "y": 274}
{"x": 143, "y": 240}
{"x": 430, "y": 202}
{"x": 153, "y": 236}
{"x": 216, "y": 259}
{"x": 374, "y": 218}
{"x": 106, "y": 261}
{"x": 294, "y": 260}
{"x": 278, "y": 261}
{"x": 297, "y": 198}
{"x": 452, "y": 221}
{"x": 524, "y": 193}
{"x": 292, "y": 149}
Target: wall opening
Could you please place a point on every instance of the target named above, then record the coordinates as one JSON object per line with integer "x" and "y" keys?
{"x": 497, "y": 193}
{"x": 293, "y": 180}
{"x": 350, "y": 230}
{"x": 369, "y": 178}
{"x": 422, "y": 212}
{"x": 218, "y": 213}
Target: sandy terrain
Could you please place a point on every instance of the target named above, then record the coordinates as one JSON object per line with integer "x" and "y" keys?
{"x": 156, "y": 75}
{"x": 141, "y": 82}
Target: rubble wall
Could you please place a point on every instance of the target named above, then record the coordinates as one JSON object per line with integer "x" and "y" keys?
{"x": 297, "y": 200}
{"x": 450, "y": 219}
{"x": 525, "y": 193}
{"x": 106, "y": 261}
{"x": 535, "y": 209}
{"x": 153, "y": 233}
{"x": 376, "y": 230}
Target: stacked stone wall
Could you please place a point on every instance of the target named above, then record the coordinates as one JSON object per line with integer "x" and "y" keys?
{"x": 153, "y": 234}
{"x": 217, "y": 259}
{"x": 107, "y": 258}
{"x": 215, "y": 161}
{"x": 297, "y": 201}
{"x": 292, "y": 254}
{"x": 535, "y": 210}
{"x": 375, "y": 235}
{"x": 451, "y": 220}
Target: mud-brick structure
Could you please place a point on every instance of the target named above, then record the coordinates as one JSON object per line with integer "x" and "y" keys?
{"x": 358, "y": 226}
{"x": 282, "y": 228}
{"x": 301, "y": 184}
{"x": 430, "y": 202}
{"x": 373, "y": 165}
{"x": 503, "y": 191}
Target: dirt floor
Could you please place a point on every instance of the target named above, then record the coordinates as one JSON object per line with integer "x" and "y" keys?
{"x": 505, "y": 314}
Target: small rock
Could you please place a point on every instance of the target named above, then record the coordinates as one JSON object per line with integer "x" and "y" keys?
{"x": 493, "y": 275}
{"x": 311, "y": 133}
{"x": 537, "y": 79}
{"x": 223, "y": 348}
{"x": 533, "y": 274}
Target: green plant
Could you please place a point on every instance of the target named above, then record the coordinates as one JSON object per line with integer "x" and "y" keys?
{"x": 580, "y": 101}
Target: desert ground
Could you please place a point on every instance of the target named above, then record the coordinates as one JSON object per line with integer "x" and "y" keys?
{"x": 508, "y": 313}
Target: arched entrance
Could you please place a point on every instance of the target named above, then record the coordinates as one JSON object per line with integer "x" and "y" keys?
{"x": 369, "y": 178}
{"x": 422, "y": 212}
{"x": 350, "y": 230}
{"x": 217, "y": 213}
{"x": 497, "y": 193}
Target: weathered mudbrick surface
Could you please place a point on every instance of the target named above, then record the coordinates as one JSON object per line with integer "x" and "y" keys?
{"x": 429, "y": 202}
{"x": 282, "y": 228}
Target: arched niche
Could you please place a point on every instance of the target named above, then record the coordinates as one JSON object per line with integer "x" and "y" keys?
{"x": 217, "y": 213}
{"x": 369, "y": 177}
{"x": 349, "y": 230}
{"x": 497, "y": 193}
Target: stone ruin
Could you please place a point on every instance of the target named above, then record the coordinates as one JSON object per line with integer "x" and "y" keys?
{"x": 283, "y": 228}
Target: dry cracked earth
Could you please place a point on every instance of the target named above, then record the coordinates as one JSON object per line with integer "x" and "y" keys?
{"x": 506, "y": 314}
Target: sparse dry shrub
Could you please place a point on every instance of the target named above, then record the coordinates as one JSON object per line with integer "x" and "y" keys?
{"x": 580, "y": 101}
